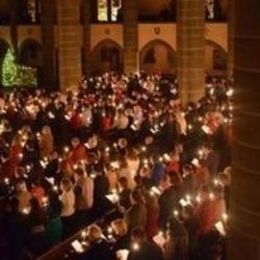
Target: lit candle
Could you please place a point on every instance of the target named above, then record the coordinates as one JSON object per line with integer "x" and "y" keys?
{"x": 83, "y": 234}
{"x": 211, "y": 196}
{"x": 176, "y": 213}
{"x": 7, "y": 181}
{"x": 135, "y": 247}
{"x": 225, "y": 217}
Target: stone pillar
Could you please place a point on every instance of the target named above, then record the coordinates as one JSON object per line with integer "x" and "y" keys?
{"x": 244, "y": 241}
{"x": 130, "y": 22}
{"x": 231, "y": 23}
{"x": 86, "y": 11}
{"x": 191, "y": 49}
{"x": 48, "y": 16}
{"x": 69, "y": 43}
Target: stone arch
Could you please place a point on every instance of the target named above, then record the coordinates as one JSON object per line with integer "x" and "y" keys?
{"x": 107, "y": 56}
{"x": 4, "y": 46}
{"x": 31, "y": 55}
{"x": 215, "y": 58}
{"x": 158, "y": 56}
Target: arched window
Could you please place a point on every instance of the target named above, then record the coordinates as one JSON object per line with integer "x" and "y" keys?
{"x": 107, "y": 56}
{"x": 158, "y": 56}
{"x": 109, "y": 10}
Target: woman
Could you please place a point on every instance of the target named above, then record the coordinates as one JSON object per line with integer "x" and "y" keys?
{"x": 68, "y": 206}
{"x": 120, "y": 231}
{"x": 177, "y": 241}
{"x": 23, "y": 196}
{"x": 136, "y": 215}
{"x": 133, "y": 165}
{"x": 84, "y": 194}
{"x": 46, "y": 142}
{"x": 153, "y": 208}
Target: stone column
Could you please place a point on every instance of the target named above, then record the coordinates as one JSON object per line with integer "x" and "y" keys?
{"x": 130, "y": 22}
{"x": 191, "y": 49}
{"x": 86, "y": 11}
{"x": 231, "y": 23}
{"x": 69, "y": 43}
{"x": 244, "y": 242}
{"x": 48, "y": 16}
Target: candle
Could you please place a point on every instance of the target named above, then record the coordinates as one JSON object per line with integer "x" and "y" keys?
{"x": 136, "y": 247}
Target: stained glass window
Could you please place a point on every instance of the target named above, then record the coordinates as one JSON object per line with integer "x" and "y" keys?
{"x": 115, "y": 8}
{"x": 102, "y": 11}
{"x": 108, "y": 10}
{"x": 32, "y": 10}
{"x": 210, "y": 9}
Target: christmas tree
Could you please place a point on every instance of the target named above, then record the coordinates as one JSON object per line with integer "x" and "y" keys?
{"x": 14, "y": 74}
{"x": 9, "y": 70}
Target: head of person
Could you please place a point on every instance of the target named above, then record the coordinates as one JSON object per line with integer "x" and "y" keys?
{"x": 119, "y": 227}
{"x": 46, "y": 130}
{"x": 66, "y": 185}
{"x": 80, "y": 173}
{"x": 136, "y": 197}
{"x": 138, "y": 236}
{"x": 187, "y": 212}
{"x": 174, "y": 178}
{"x": 123, "y": 183}
{"x": 94, "y": 233}
{"x": 75, "y": 142}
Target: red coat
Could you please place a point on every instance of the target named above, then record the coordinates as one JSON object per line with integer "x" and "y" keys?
{"x": 76, "y": 121}
{"x": 13, "y": 162}
{"x": 106, "y": 123}
{"x": 38, "y": 193}
{"x": 207, "y": 216}
{"x": 76, "y": 155}
{"x": 173, "y": 166}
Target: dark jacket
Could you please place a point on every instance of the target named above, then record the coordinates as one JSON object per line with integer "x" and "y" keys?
{"x": 147, "y": 251}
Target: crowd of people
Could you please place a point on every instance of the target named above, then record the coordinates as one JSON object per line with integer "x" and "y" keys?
{"x": 118, "y": 143}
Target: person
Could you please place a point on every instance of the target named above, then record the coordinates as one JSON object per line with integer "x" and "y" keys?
{"x": 120, "y": 232}
{"x": 133, "y": 165}
{"x": 99, "y": 247}
{"x": 177, "y": 241}
{"x": 46, "y": 142}
{"x": 169, "y": 199}
{"x": 141, "y": 248}
{"x": 37, "y": 219}
{"x": 22, "y": 195}
{"x": 191, "y": 223}
{"x": 54, "y": 225}
{"x": 37, "y": 191}
{"x": 125, "y": 192}
{"x": 206, "y": 212}
{"x": 84, "y": 191}
{"x": 101, "y": 203}
{"x": 76, "y": 154}
{"x": 68, "y": 206}
{"x": 136, "y": 215}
